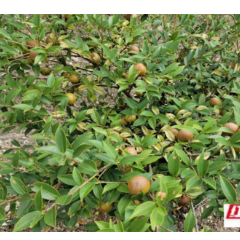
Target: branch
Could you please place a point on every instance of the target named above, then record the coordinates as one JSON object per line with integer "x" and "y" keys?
{"x": 196, "y": 222}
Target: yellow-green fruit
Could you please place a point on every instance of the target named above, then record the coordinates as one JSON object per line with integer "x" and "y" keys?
{"x": 139, "y": 94}
{"x": 105, "y": 207}
{"x": 232, "y": 126}
{"x": 138, "y": 184}
{"x": 95, "y": 58}
{"x": 185, "y": 136}
{"x": 130, "y": 150}
{"x": 66, "y": 75}
{"x": 45, "y": 71}
{"x": 130, "y": 118}
{"x": 126, "y": 168}
{"x": 74, "y": 78}
{"x": 125, "y": 75}
{"x": 32, "y": 44}
{"x": 123, "y": 122}
{"x": 71, "y": 98}
{"x": 214, "y": 101}
{"x": 139, "y": 67}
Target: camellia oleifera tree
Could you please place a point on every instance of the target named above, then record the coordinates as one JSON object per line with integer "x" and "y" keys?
{"x": 133, "y": 115}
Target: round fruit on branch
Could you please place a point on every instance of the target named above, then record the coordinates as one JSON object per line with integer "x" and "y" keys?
{"x": 32, "y": 44}
{"x": 134, "y": 49}
{"x": 214, "y": 101}
{"x": 139, "y": 67}
{"x": 138, "y": 184}
{"x": 71, "y": 98}
{"x": 33, "y": 55}
{"x": 174, "y": 131}
{"x": 232, "y": 126}
{"x": 130, "y": 150}
{"x": 130, "y": 118}
{"x": 45, "y": 71}
{"x": 184, "y": 201}
{"x": 74, "y": 78}
{"x": 105, "y": 207}
{"x": 185, "y": 136}
{"x": 95, "y": 58}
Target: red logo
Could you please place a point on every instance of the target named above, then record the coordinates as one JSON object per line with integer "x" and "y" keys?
{"x": 233, "y": 211}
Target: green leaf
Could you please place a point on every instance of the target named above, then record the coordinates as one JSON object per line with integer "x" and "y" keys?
{"x": 210, "y": 182}
{"x": 51, "y": 80}
{"x": 67, "y": 179}
{"x": 36, "y": 19}
{"x": 157, "y": 217}
{"x": 39, "y": 58}
{"x": 173, "y": 165}
{"x": 193, "y": 182}
{"x": 2, "y": 214}
{"x": 79, "y": 150}
{"x": 86, "y": 189}
{"x": 18, "y": 185}
{"x": 61, "y": 141}
{"x": 50, "y": 217}
{"x": 88, "y": 167}
{"x": 183, "y": 156}
{"x": 26, "y": 221}
{"x": 138, "y": 225}
{"x": 123, "y": 203}
{"x": 3, "y": 191}
{"x": 109, "y": 187}
{"x": 77, "y": 176}
{"x": 189, "y": 222}
{"x": 38, "y": 201}
{"x": 228, "y": 190}
{"x": 110, "y": 150}
{"x": 202, "y": 165}
{"x": 143, "y": 209}
{"x": 64, "y": 200}
{"x": 48, "y": 192}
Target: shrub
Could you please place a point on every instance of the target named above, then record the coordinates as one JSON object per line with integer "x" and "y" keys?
{"x": 78, "y": 163}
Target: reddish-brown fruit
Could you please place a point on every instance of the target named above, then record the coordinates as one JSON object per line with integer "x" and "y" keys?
{"x": 32, "y": 44}
{"x": 184, "y": 201}
{"x": 133, "y": 49}
{"x": 131, "y": 150}
{"x": 123, "y": 122}
{"x": 138, "y": 184}
{"x": 32, "y": 55}
{"x": 105, "y": 207}
{"x": 74, "y": 78}
{"x": 71, "y": 98}
{"x": 185, "y": 136}
{"x": 139, "y": 67}
{"x": 130, "y": 118}
{"x": 128, "y": 16}
{"x": 232, "y": 126}
{"x": 95, "y": 58}
{"x": 214, "y": 101}
{"x": 174, "y": 131}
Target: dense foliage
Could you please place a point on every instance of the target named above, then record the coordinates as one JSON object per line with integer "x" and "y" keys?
{"x": 102, "y": 113}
